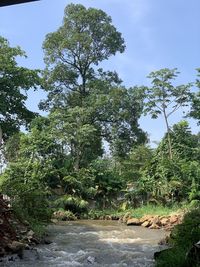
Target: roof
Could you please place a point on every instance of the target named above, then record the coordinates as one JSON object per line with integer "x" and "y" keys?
{"x": 14, "y": 2}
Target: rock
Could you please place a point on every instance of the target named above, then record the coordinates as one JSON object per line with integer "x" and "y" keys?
{"x": 54, "y": 220}
{"x": 46, "y": 241}
{"x": 23, "y": 231}
{"x": 126, "y": 217}
{"x": 173, "y": 219}
{"x": 31, "y": 254}
{"x": 146, "y": 224}
{"x": 154, "y": 226}
{"x": 155, "y": 220}
{"x": 146, "y": 218}
{"x": 90, "y": 260}
{"x": 16, "y": 246}
{"x": 164, "y": 221}
{"x": 108, "y": 217}
{"x": 30, "y": 233}
{"x": 133, "y": 221}
{"x": 115, "y": 217}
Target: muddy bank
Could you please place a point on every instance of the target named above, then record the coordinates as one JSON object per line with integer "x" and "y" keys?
{"x": 15, "y": 235}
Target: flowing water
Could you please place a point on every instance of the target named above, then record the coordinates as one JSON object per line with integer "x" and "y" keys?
{"x": 95, "y": 243}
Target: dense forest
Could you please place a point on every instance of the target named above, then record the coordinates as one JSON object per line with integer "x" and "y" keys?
{"x": 89, "y": 155}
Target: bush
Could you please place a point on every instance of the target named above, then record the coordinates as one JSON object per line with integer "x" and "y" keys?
{"x": 64, "y": 215}
{"x": 183, "y": 237}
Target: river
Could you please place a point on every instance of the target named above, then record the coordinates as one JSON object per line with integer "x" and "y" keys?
{"x": 95, "y": 243}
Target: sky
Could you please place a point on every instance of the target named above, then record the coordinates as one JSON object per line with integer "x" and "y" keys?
{"x": 158, "y": 34}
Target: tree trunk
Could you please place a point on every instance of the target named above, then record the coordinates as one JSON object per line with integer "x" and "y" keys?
{"x": 168, "y": 136}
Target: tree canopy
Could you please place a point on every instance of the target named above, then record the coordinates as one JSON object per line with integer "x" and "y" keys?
{"x": 15, "y": 81}
{"x": 163, "y": 98}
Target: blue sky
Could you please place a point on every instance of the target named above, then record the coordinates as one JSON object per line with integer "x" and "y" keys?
{"x": 157, "y": 33}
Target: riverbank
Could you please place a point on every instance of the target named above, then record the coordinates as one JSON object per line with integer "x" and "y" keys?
{"x": 151, "y": 221}
{"x": 16, "y": 236}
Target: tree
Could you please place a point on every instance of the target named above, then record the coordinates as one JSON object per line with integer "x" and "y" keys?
{"x": 174, "y": 180}
{"x": 14, "y": 82}
{"x": 116, "y": 109}
{"x": 78, "y": 136}
{"x": 79, "y": 93}
{"x": 195, "y": 99}
{"x": 185, "y": 145}
{"x": 86, "y": 38}
{"x": 164, "y": 98}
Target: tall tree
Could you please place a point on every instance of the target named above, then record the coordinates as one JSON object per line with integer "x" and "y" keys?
{"x": 87, "y": 102}
{"x": 85, "y": 38}
{"x": 14, "y": 83}
{"x": 163, "y": 98}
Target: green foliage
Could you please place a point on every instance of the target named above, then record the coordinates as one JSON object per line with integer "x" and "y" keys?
{"x": 195, "y": 101}
{"x": 178, "y": 179}
{"x": 79, "y": 93}
{"x": 72, "y": 203}
{"x": 172, "y": 258}
{"x": 195, "y": 110}
{"x": 187, "y": 233}
{"x": 150, "y": 209}
{"x": 60, "y": 162}
{"x": 81, "y": 138}
{"x": 28, "y": 193}
{"x": 64, "y": 215}
{"x": 137, "y": 161}
{"x": 164, "y": 99}
{"x": 107, "y": 183}
{"x": 14, "y": 82}
{"x": 72, "y": 51}
{"x": 183, "y": 237}
{"x": 163, "y": 95}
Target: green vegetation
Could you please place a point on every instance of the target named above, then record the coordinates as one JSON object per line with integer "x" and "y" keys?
{"x": 183, "y": 237}
{"x": 137, "y": 212}
{"x": 61, "y": 164}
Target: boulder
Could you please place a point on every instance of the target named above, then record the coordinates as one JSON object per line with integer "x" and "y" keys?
{"x": 154, "y": 226}
{"x": 146, "y": 218}
{"x": 173, "y": 219}
{"x": 164, "y": 221}
{"x": 155, "y": 220}
{"x": 133, "y": 221}
{"x": 126, "y": 217}
{"x": 146, "y": 224}
{"x": 30, "y": 233}
{"x": 108, "y": 217}
{"x": 16, "y": 246}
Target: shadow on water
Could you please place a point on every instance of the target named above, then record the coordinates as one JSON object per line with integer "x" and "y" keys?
{"x": 96, "y": 243}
